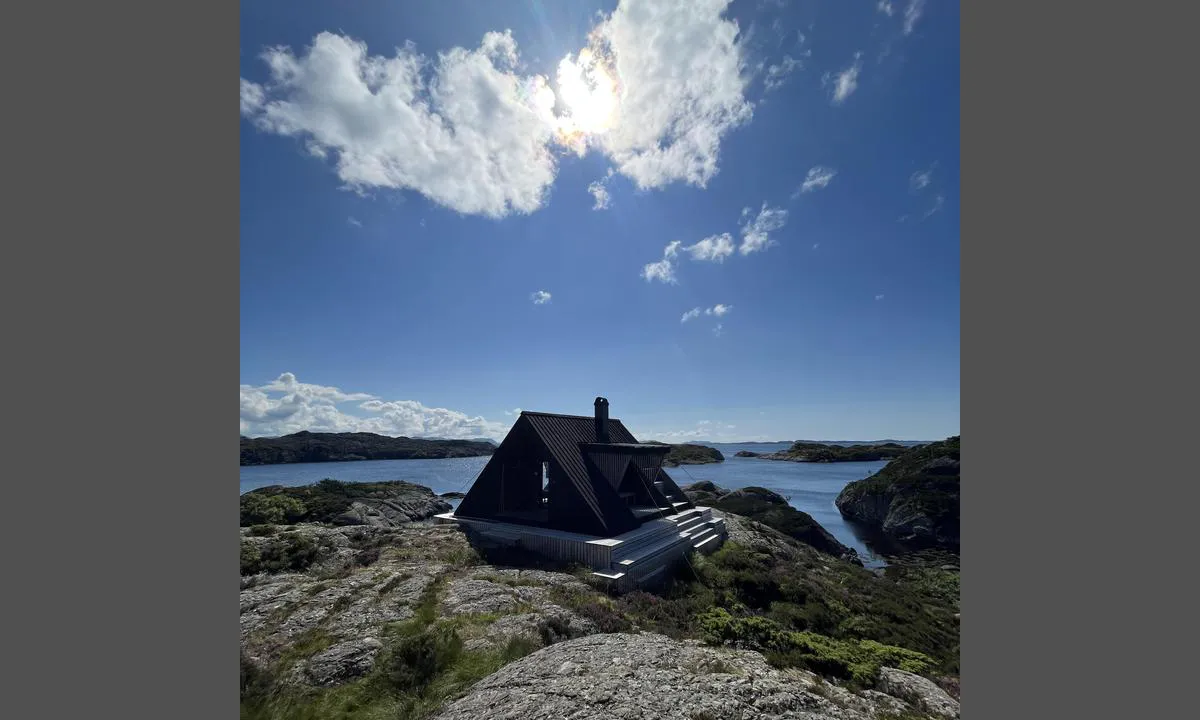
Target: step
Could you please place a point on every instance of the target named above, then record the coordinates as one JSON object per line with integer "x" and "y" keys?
{"x": 609, "y": 575}
{"x": 701, "y": 534}
{"x": 668, "y": 543}
{"x": 707, "y": 541}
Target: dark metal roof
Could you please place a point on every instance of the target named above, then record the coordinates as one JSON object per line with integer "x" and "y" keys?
{"x": 627, "y": 448}
{"x": 563, "y": 435}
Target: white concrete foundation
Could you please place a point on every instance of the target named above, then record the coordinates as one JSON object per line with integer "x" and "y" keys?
{"x": 627, "y": 560}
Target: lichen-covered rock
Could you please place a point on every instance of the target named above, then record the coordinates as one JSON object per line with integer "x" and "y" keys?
{"x": 494, "y": 590}
{"x": 919, "y": 691}
{"x": 391, "y": 512}
{"x": 651, "y": 676}
{"x": 340, "y": 663}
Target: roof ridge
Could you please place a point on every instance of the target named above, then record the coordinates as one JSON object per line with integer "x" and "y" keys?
{"x": 563, "y": 415}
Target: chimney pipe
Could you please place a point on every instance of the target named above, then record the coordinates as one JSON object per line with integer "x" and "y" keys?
{"x": 601, "y": 420}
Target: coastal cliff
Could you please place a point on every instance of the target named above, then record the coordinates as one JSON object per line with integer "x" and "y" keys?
{"x": 913, "y": 500}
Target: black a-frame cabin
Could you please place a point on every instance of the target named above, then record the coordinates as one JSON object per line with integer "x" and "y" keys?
{"x": 574, "y": 473}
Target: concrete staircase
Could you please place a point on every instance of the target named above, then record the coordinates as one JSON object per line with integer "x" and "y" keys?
{"x": 647, "y": 552}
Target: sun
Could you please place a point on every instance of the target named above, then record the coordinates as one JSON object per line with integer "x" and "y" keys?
{"x": 588, "y": 93}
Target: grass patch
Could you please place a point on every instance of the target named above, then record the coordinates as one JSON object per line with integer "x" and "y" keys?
{"x": 422, "y": 666}
{"x": 856, "y": 661}
{"x": 394, "y": 583}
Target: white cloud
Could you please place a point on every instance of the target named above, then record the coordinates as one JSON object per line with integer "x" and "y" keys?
{"x": 816, "y": 245}
{"x": 354, "y": 221}
{"x": 663, "y": 270}
{"x": 717, "y": 310}
{"x": 756, "y": 233}
{"x": 878, "y": 297}
{"x": 714, "y": 248}
{"x": 777, "y": 74}
{"x": 599, "y": 191}
{"x": 514, "y": 411}
{"x": 465, "y": 130}
{"x": 541, "y": 297}
{"x": 817, "y": 178}
{"x": 912, "y": 14}
{"x": 286, "y": 405}
{"x": 659, "y": 85}
{"x": 846, "y": 81}
{"x": 884, "y": 7}
{"x": 937, "y": 205}
{"x": 920, "y": 180}
{"x": 719, "y": 330}
{"x": 682, "y": 85}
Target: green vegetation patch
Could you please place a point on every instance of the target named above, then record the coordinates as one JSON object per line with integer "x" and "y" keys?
{"x": 422, "y": 666}
{"x": 317, "y": 503}
{"x": 289, "y": 551}
{"x": 856, "y": 661}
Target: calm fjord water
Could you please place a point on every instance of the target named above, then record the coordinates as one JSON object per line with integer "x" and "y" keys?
{"x": 810, "y": 487}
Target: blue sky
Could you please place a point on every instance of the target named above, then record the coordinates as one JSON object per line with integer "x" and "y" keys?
{"x": 737, "y": 221}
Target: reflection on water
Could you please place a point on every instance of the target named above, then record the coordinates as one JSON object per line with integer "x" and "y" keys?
{"x": 810, "y": 487}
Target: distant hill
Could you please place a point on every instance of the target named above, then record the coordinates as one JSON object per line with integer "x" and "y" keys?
{"x": 689, "y": 454}
{"x": 913, "y": 499}
{"x": 305, "y": 446}
{"x": 802, "y": 451}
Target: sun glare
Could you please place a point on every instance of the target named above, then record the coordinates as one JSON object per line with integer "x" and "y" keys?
{"x": 588, "y": 95}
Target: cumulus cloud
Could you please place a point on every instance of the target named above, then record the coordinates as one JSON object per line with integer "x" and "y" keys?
{"x": 658, "y": 86}
{"x": 846, "y": 81}
{"x": 286, "y": 405}
{"x": 714, "y": 248}
{"x": 878, "y": 297}
{"x": 690, "y": 315}
{"x": 663, "y": 270}
{"x": 719, "y": 330}
{"x": 541, "y": 297}
{"x": 719, "y": 310}
{"x": 682, "y": 86}
{"x": 756, "y": 232}
{"x": 600, "y": 193}
{"x": 514, "y": 411}
{"x": 885, "y": 7}
{"x": 354, "y": 221}
{"x": 912, "y": 14}
{"x": 817, "y": 178}
{"x": 465, "y": 130}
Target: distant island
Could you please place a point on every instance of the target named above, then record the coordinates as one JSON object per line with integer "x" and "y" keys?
{"x": 689, "y": 454}
{"x": 802, "y": 451}
{"x": 913, "y": 500}
{"x": 309, "y": 447}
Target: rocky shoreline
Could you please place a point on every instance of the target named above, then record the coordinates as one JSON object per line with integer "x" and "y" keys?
{"x": 386, "y": 613}
{"x": 808, "y": 452}
{"x": 913, "y": 501}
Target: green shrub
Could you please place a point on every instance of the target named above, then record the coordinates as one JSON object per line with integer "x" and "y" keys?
{"x": 290, "y": 551}
{"x": 416, "y": 659}
{"x": 857, "y": 661}
{"x": 266, "y": 509}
